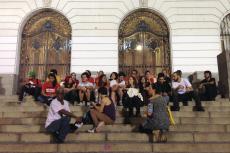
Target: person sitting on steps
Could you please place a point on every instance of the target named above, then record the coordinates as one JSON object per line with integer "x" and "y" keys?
{"x": 208, "y": 89}
{"x": 58, "y": 119}
{"x": 157, "y": 116}
{"x": 182, "y": 91}
{"x": 103, "y": 113}
{"x": 32, "y": 86}
{"x": 49, "y": 89}
{"x": 85, "y": 87}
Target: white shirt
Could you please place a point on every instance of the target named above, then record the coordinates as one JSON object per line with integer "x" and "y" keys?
{"x": 54, "y": 108}
{"x": 122, "y": 83}
{"x": 85, "y": 84}
{"x": 184, "y": 82}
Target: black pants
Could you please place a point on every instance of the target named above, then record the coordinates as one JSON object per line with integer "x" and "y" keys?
{"x": 130, "y": 103}
{"x": 34, "y": 91}
{"x": 185, "y": 97}
{"x": 60, "y": 128}
{"x": 71, "y": 96}
{"x": 209, "y": 93}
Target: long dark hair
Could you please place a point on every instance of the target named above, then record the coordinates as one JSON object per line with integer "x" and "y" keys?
{"x": 116, "y": 75}
{"x": 54, "y": 83}
{"x": 134, "y": 82}
{"x": 100, "y": 82}
{"x": 140, "y": 84}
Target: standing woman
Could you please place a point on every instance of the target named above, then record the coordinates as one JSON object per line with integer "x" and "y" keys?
{"x": 157, "y": 116}
{"x": 132, "y": 98}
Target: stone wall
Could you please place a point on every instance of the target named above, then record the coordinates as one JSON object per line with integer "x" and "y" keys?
{"x": 194, "y": 31}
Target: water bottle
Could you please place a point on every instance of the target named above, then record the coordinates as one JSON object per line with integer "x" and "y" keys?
{"x": 150, "y": 109}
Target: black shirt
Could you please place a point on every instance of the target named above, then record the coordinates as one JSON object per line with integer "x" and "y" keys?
{"x": 208, "y": 81}
{"x": 162, "y": 88}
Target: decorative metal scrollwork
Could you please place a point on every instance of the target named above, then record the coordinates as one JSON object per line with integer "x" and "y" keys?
{"x": 46, "y": 44}
{"x": 143, "y": 33}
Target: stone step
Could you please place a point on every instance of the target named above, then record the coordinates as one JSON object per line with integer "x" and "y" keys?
{"x": 120, "y": 128}
{"x": 118, "y": 114}
{"x": 190, "y": 103}
{"x": 83, "y": 109}
{"x": 118, "y": 147}
{"x": 114, "y": 137}
{"x": 187, "y": 148}
{"x": 120, "y": 120}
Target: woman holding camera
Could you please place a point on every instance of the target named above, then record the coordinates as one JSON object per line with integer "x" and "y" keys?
{"x": 103, "y": 113}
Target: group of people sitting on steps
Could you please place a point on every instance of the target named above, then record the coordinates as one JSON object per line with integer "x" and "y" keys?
{"x": 102, "y": 96}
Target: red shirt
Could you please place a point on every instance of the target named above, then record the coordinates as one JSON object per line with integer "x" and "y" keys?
{"x": 48, "y": 88}
{"x": 92, "y": 80}
{"x": 35, "y": 82}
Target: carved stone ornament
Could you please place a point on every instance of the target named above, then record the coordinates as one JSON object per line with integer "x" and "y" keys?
{"x": 46, "y": 3}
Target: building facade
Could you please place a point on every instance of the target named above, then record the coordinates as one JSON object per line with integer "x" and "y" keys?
{"x": 194, "y": 33}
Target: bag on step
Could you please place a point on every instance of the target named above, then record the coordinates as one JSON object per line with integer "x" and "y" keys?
{"x": 171, "y": 118}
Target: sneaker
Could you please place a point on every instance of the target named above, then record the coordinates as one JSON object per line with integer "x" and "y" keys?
{"x": 79, "y": 125}
{"x": 93, "y": 130}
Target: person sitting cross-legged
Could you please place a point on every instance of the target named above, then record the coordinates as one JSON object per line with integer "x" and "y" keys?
{"x": 103, "y": 113}
{"x": 58, "y": 119}
{"x": 182, "y": 91}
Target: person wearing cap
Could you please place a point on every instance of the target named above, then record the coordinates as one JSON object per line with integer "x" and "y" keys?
{"x": 31, "y": 86}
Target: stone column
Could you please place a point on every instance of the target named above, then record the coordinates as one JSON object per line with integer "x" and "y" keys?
{"x": 224, "y": 73}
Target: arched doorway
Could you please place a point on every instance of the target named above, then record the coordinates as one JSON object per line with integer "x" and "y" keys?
{"x": 45, "y": 45}
{"x": 144, "y": 43}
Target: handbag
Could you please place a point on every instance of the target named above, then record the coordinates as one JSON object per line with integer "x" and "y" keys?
{"x": 170, "y": 115}
{"x": 171, "y": 118}
{"x": 87, "y": 119}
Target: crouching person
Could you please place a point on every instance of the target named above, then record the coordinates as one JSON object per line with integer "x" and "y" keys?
{"x": 58, "y": 119}
{"x": 103, "y": 113}
{"x": 157, "y": 116}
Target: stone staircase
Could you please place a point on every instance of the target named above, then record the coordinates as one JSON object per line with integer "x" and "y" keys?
{"x": 22, "y": 130}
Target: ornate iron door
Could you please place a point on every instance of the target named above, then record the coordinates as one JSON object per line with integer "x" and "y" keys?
{"x": 45, "y": 45}
{"x": 143, "y": 43}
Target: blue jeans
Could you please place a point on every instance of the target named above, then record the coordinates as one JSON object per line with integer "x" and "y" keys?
{"x": 60, "y": 128}
{"x": 45, "y": 99}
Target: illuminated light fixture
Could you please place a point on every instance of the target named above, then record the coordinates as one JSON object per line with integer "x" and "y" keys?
{"x": 139, "y": 48}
